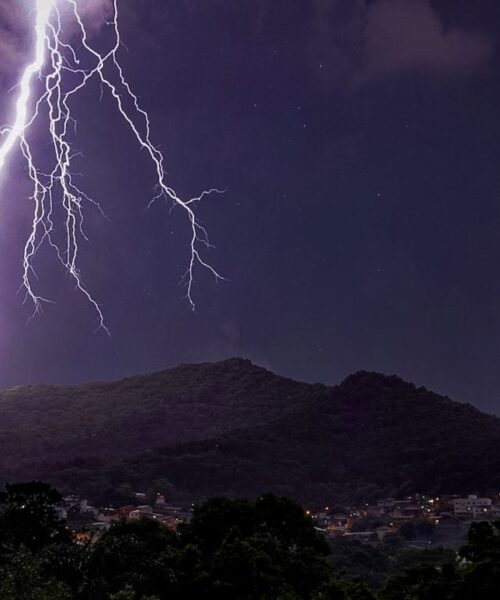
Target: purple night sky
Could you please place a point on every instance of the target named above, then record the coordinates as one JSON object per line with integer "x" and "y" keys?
{"x": 359, "y": 141}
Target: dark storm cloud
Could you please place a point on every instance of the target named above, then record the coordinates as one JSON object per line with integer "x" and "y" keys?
{"x": 358, "y": 42}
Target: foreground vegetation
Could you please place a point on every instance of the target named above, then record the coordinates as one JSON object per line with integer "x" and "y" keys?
{"x": 231, "y": 550}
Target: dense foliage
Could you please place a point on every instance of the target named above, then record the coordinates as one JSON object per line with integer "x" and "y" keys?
{"x": 234, "y": 429}
{"x": 265, "y": 549}
{"x": 231, "y": 550}
{"x": 373, "y": 564}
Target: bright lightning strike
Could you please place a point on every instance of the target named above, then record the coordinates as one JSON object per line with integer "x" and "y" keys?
{"x": 48, "y": 85}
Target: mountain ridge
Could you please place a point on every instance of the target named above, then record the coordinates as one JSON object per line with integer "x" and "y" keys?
{"x": 238, "y": 429}
{"x": 236, "y": 361}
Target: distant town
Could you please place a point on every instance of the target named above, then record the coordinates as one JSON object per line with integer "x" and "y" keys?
{"x": 420, "y": 520}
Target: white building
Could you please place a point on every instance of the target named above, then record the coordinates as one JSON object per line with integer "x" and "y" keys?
{"x": 472, "y": 506}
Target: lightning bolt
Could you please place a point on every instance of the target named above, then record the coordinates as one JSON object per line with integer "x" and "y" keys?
{"x": 47, "y": 87}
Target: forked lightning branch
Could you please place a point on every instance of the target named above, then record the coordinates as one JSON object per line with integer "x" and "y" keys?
{"x": 61, "y": 67}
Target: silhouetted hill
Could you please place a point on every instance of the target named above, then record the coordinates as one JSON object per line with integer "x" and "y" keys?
{"x": 370, "y": 436}
{"x": 236, "y": 429}
{"x": 110, "y": 420}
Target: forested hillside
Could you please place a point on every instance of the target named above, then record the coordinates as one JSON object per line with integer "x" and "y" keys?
{"x": 236, "y": 429}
